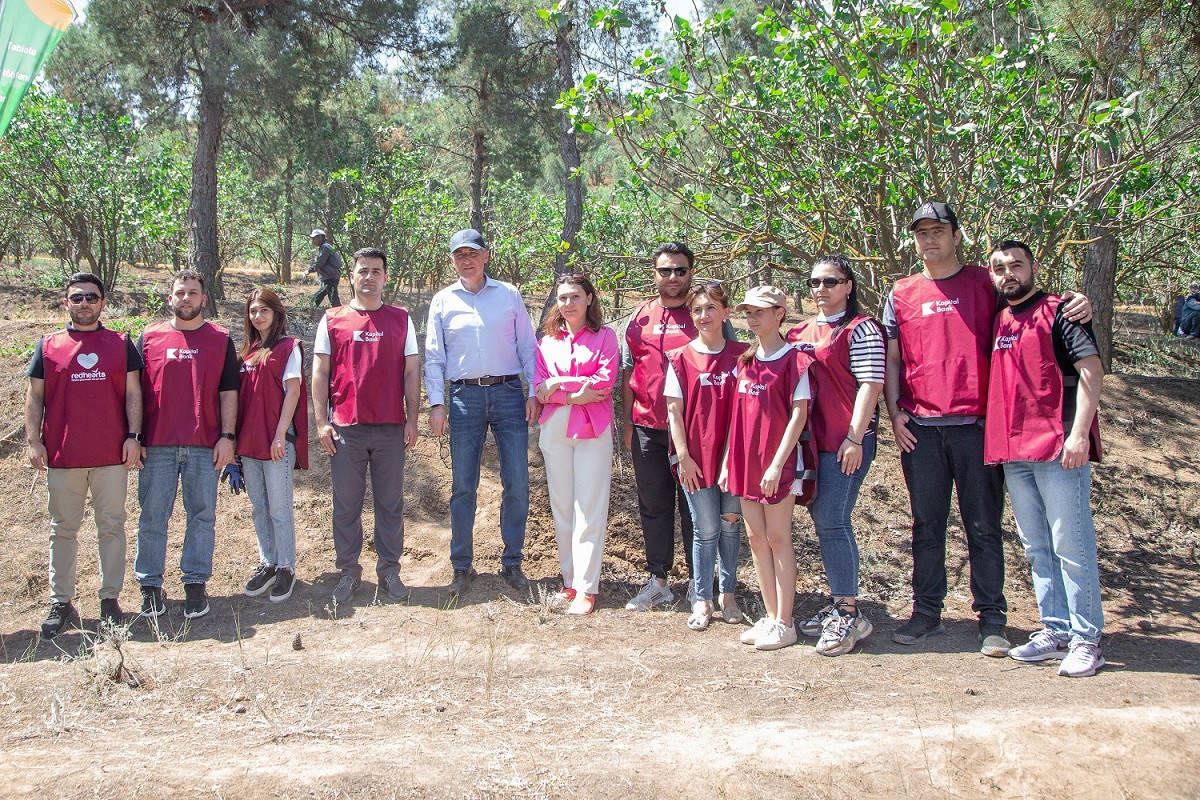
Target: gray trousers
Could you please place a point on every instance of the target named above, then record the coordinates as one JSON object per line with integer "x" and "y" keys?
{"x": 382, "y": 448}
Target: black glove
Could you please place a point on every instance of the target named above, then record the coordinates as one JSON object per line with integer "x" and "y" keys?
{"x": 233, "y": 474}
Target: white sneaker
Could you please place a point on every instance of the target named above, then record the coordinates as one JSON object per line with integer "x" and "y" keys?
{"x": 777, "y": 636}
{"x": 1042, "y": 645}
{"x": 751, "y": 634}
{"x": 842, "y": 632}
{"x": 816, "y": 623}
{"x": 1082, "y": 661}
{"x": 651, "y": 595}
{"x": 692, "y": 596}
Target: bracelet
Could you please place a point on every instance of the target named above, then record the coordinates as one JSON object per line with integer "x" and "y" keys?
{"x": 851, "y": 441}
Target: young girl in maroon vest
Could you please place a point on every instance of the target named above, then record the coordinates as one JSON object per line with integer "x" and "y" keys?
{"x": 847, "y": 378}
{"x": 699, "y": 390}
{"x": 770, "y": 412}
{"x": 272, "y": 436}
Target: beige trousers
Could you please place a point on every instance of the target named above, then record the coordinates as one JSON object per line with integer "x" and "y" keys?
{"x": 68, "y": 489}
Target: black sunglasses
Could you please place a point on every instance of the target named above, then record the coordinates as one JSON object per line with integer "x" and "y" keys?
{"x": 79, "y": 297}
{"x": 678, "y": 272}
{"x": 828, "y": 283}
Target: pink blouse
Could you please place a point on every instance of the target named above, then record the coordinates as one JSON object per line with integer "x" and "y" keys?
{"x": 592, "y": 357}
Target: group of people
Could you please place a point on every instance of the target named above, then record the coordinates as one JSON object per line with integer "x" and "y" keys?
{"x": 978, "y": 368}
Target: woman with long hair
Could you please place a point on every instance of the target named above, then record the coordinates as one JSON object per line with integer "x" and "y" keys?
{"x": 576, "y": 368}
{"x": 700, "y": 389}
{"x": 847, "y": 377}
{"x": 770, "y": 412}
{"x": 272, "y": 436}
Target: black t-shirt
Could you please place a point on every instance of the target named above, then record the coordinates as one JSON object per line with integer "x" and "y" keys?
{"x": 1073, "y": 341}
{"x": 37, "y": 366}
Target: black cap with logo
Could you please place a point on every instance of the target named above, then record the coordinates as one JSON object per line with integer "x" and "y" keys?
{"x": 938, "y": 212}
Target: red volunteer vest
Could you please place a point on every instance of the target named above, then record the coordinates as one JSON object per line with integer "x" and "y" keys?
{"x": 181, "y": 384}
{"x": 260, "y": 402}
{"x": 834, "y": 386}
{"x": 366, "y": 365}
{"x": 653, "y": 331}
{"x": 945, "y": 329}
{"x": 84, "y": 423}
{"x": 708, "y": 389}
{"x": 1025, "y": 404}
{"x": 761, "y": 411}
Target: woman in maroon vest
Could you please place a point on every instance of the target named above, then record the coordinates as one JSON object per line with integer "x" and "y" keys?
{"x": 847, "y": 379}
{"x": 272, "y": 436}
{"x": 770, "y": 412}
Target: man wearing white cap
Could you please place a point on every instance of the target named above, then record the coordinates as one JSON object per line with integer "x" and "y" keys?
{"x": 328, "y": 266}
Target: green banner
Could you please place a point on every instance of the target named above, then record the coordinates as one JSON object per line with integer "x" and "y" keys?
{"x": 29, "y": 29}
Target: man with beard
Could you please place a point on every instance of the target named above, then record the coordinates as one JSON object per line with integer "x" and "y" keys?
{"x": 1041, "y": 426}
{"x": 83, "y": 423}
{"x": 189, "y": 388}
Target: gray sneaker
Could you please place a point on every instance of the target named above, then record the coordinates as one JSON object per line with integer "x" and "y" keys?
{"x": 842, "y": 632}
{"x": 814, "y": 625}
{"x": 1082, "y": 661}
{"x": 1042, "y": 646}
{"x": 651, "y": 595}
{"x": 345, "y": 587}
{"x": 393, "y": 586}
{"x": 993, "y": 642}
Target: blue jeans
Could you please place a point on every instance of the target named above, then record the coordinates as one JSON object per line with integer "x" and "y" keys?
{"x": 1053, "y": 509}
{"x": 714, "y": 539}
{"x": 836, "y": 495}
{"x": 269, "y": 485}
{"x": 472, "y": 410}
{"x": 165, "y": 468}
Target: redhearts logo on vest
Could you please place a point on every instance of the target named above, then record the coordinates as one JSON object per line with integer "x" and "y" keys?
{"x": 745, "y": 386}
{"x": 667, "y": 328}
{"x": 714, "y": 378}
{"x": 1006, "y": 342}
{"x": 182, "y": 353}
{"x": 938, "y": 307}
{"x": 368, "y": 336}
{"x": 88, "y": 361}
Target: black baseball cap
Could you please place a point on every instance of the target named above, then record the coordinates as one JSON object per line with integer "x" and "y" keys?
{"x": 939, "y": 212}
{"x": 468, "y": 238}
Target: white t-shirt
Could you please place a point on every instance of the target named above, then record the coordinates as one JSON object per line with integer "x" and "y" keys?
{"x": 803, "y": 390}
{"x": 671, "y": 387}
{"x": 321, "y": 345}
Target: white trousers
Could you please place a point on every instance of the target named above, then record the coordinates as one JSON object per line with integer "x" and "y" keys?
{"x": 579, "y": 478}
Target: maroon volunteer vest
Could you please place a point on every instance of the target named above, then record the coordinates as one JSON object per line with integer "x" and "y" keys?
{"x": 833, "y": 384}
{"x": 181, "y": 384}
{"x": 945, "y": 334}
{"x": 1025, "y": 401}
{"x": 366, "y": 364}
{"x": 653, "y": 331}
{"x": 84, "y": 423}
{"x": 708, "y": 389}
{"x": 761, "y": 411}
{"x": 260, "y": 403}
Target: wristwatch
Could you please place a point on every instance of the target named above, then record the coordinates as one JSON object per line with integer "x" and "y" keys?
{"x": 229, "y": 436}
{"x": 137, "y": 437}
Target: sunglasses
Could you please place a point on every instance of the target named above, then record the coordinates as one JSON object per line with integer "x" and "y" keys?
{"x": 678, "y": 272}
{"x": 80, "y": 297}
{"x": 828, "y": 283}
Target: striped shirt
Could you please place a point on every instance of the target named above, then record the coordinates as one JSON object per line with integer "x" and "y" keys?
{"x": 868, "y": 352}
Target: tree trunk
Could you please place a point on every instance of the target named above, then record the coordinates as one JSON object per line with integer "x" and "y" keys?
{"x": 285, "y": 257}
{"x": 202, "y": 205}
{"x": 479, "y": 155}
{"x": 1099, "y": 284}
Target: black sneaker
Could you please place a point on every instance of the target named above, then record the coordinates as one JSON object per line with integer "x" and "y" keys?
{"x": 285, "y": 581}
{"x": 154, "y": 602}
{"x": 463, "y": 578}
{"x": 110, "y": 612}
{"x": 60, "y": 614}
{"x": 393, "y": 587}
{"x": 514, "y": 577}
{"x": 346, "y": 586}
{"x": 917, "y": 628}
{"x": 196, "y": 604}
{"x": 262, "y": 580}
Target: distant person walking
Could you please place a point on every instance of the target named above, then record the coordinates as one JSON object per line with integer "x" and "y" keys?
{"x": 190, "y": 395}
{"x": 327, "y": 263}
{"x": 1189, "y": 314}
{"x": 272, "y": 438}
{"x": 1041, "y": 426}
{"x": 83, "y": 423}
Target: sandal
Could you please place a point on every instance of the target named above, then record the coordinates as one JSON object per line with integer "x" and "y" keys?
{"x": 701, "y": 614}
{"x": 732, "y": 614}
{"x": 582, "y": 604}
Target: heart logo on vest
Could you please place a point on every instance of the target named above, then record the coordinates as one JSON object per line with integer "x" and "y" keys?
{"x": 87, "y": 360}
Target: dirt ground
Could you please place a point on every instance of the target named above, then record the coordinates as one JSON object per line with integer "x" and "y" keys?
{"x": 503, "y": 696}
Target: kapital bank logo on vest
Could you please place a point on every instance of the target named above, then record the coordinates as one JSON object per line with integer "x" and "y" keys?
{"x": 713, "y": 378}
{"x": 667, "y": 327}
{"x": 938, "y": 307}
{"x": 1006, "y": 342}
{"x": 182, "y": 353}
{"x": 368, "y": 336}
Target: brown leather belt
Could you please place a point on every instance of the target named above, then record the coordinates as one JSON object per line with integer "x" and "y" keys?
{"x": 487, "y": 380}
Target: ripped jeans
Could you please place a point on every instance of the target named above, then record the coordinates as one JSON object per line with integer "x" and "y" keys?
{"x": 716, "y": 540}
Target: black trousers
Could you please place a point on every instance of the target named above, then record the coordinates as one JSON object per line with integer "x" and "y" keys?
{"x": 659, "y": 496}
{"x": 329, "y": 288}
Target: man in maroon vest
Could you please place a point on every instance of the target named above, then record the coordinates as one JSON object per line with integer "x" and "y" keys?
{"x": 939, "y": 328}
{"x": 189, "y": 391}
{"x": 83, "y": 417}
{"x": 1041, "y": 426}
{"x": 366, "y": 417}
